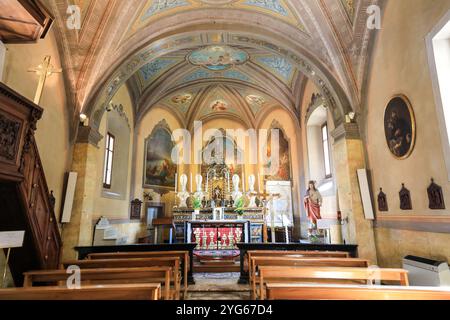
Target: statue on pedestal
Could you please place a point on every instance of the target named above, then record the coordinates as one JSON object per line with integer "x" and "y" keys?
{"x": 199, "y": 194}
{"x": 183, "y": 195}
{"x": 252, "y": 194}
{"x": 313, "y": 202}
{"x": 236, "y": 194}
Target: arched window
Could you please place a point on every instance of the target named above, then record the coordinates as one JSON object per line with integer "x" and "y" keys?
{"x": 438, "y": 46}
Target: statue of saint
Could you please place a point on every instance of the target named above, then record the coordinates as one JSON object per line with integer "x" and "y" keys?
{"x": 183, "y": 195}
{"x": 236, "y": 194}
{"x": 313, "y": 202}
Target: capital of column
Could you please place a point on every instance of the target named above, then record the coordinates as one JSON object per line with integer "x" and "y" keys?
{"x": 347, "y": 131}
{"x": 89, "y": 135}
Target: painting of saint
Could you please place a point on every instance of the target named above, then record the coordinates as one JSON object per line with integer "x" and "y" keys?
{"x": 219, "y": 105}
{"x": 399, "y": 124}
{"x": 159, "y": 170}
{"x": 283, "y": 171}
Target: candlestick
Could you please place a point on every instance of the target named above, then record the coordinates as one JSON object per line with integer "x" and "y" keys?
{"x": 207, "y": 183}
{"x": 176, "y": 182}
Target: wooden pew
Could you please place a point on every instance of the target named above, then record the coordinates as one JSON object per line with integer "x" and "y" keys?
{"x": 294, "y": 253}
{"x": 103, "y": 276}
{"x": 329, "y": 274}
{"x": 294, "y": 261}
{"x": 147, "y": 291}
{"x": 173, "y": 262}
{"x": 183, "y": 255}
{"x": 283, "y": 291}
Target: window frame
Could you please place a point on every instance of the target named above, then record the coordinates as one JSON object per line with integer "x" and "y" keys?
{"x": 439, "y": 103}
{"x": 326, "y": 159}
{"x": 108, "y": 158}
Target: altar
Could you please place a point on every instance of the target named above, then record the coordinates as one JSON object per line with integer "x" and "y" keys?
{"x": 223, "y": 234}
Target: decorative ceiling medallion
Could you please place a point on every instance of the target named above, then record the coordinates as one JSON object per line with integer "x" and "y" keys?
{"x": 219, "y": 105}
{"x": 218, "y": 58}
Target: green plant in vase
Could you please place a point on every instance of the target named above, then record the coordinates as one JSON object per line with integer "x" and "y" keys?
{"x": 197, "y": 204}
{"x": 239, "y": 206}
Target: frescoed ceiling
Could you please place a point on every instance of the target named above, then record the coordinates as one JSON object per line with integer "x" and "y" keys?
{"x": 201, "y": 101}
{"x": 159, "y": 47}
{"x": 157, "y": 9}
{"x": 219, "y": 63}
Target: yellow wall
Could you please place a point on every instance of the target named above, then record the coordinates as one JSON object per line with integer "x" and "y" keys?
{"x": 52, "y": 134}
{"x": 117, "y": 210}
{"x": 399, "y": 65}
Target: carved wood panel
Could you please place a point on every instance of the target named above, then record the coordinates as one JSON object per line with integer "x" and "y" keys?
{"x": 9, "y": 138}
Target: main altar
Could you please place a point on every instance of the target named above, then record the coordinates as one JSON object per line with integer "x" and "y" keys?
{"x": 219, "y": 232}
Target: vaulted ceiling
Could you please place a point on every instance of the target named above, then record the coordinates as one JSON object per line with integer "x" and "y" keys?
{"x": 177, "y": 52}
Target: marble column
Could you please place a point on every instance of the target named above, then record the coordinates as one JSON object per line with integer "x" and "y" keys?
{"x": 79, "y": 231}
{"x": 348, "y": 158}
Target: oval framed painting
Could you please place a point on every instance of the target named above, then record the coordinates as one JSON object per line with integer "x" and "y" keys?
{"x": 400, "y": 127}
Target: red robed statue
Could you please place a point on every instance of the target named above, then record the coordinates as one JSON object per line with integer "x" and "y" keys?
{"x": 313, "y": 202}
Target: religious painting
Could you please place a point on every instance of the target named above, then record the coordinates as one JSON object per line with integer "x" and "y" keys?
{"x": 400, "y": 127}
{"x": 282, "y": 172}
{"x": 218, "y": 166}
{"x": 218, "y": 58}
{"x": 219, "y": 105}
{"x": 159, "y": 169}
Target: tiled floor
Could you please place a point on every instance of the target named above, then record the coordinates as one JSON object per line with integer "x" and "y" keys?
{"x": 218, "y": 286}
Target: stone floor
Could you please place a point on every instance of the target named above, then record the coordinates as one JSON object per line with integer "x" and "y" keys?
{"x": 217, "y": 286}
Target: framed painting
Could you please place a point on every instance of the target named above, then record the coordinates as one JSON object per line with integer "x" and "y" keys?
{"x": 400, "y": 127}
{"x": 283, "y": 171}
{"x": 159, "y": 169}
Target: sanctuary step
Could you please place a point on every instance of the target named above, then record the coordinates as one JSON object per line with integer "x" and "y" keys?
{"x": 216, "y": 261}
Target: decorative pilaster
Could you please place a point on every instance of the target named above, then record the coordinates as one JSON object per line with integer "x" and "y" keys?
{"x": 79, "y": 231}
{"x": 349, "y": 157}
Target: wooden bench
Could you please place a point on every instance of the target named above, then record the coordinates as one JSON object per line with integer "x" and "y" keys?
{"x": 147, "y": 291}
{"x": 328, "y": 274}
{"x": 103, "y": 276}
{"x": 173, "y": 262}
{"x": 183, "y": 255}
{"x": 293, "y": 261}
{"x": 283, "y": 291}
{"x": 294, "y": 253}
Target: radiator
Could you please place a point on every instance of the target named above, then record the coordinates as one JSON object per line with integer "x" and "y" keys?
{"x": 426, "y": 272}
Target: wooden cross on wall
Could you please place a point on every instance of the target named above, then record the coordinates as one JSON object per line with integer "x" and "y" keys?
{"x": 44, "y": 71}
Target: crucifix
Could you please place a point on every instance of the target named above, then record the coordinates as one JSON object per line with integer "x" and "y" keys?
{"x": 44, "y": 70}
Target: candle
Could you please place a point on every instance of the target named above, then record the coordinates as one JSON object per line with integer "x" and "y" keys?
{"x": 228, "y": 181}
{"x": 191, "y": 183}
{"x": 176, "y": 182}
{"x": 287, "y": 234}
{"x": 259, "y": 182}
{"x": 207, "y": 182}
{"x": 243, "y": 182}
